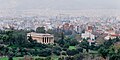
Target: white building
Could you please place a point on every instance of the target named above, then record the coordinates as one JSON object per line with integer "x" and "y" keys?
{"x": 88, "y": 35}
{"x": 78, "y": 29}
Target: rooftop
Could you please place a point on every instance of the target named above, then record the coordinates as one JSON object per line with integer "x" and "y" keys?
{"x": 38, "y": 34}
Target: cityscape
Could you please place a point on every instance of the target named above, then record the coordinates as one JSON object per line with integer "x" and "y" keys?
{"x": 59, "y": 33}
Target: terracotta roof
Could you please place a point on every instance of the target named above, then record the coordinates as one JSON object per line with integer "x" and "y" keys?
{"x": 115, "y": 35}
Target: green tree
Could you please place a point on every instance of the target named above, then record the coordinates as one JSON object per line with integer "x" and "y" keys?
{"x": 72, "y": 52}
{"x": 40, "y": 30}
{"x": 103, "y": 52}
{"x": 114, "y": 55}
{"x": 4, "y": 38}
{"x": 85, "y": 44}
{"x": 30, "y": 39}
{"x": 79, "y": 57}
{"x": 45, "y": 52}
{"x": 57, "y": 50}
{"x": 73, "y": 42}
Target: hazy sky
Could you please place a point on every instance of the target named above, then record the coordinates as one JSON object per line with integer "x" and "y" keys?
{"x": 60, "y": 4}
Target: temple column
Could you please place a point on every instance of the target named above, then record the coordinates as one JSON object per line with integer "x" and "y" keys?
{"x": 45, "y": 39}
